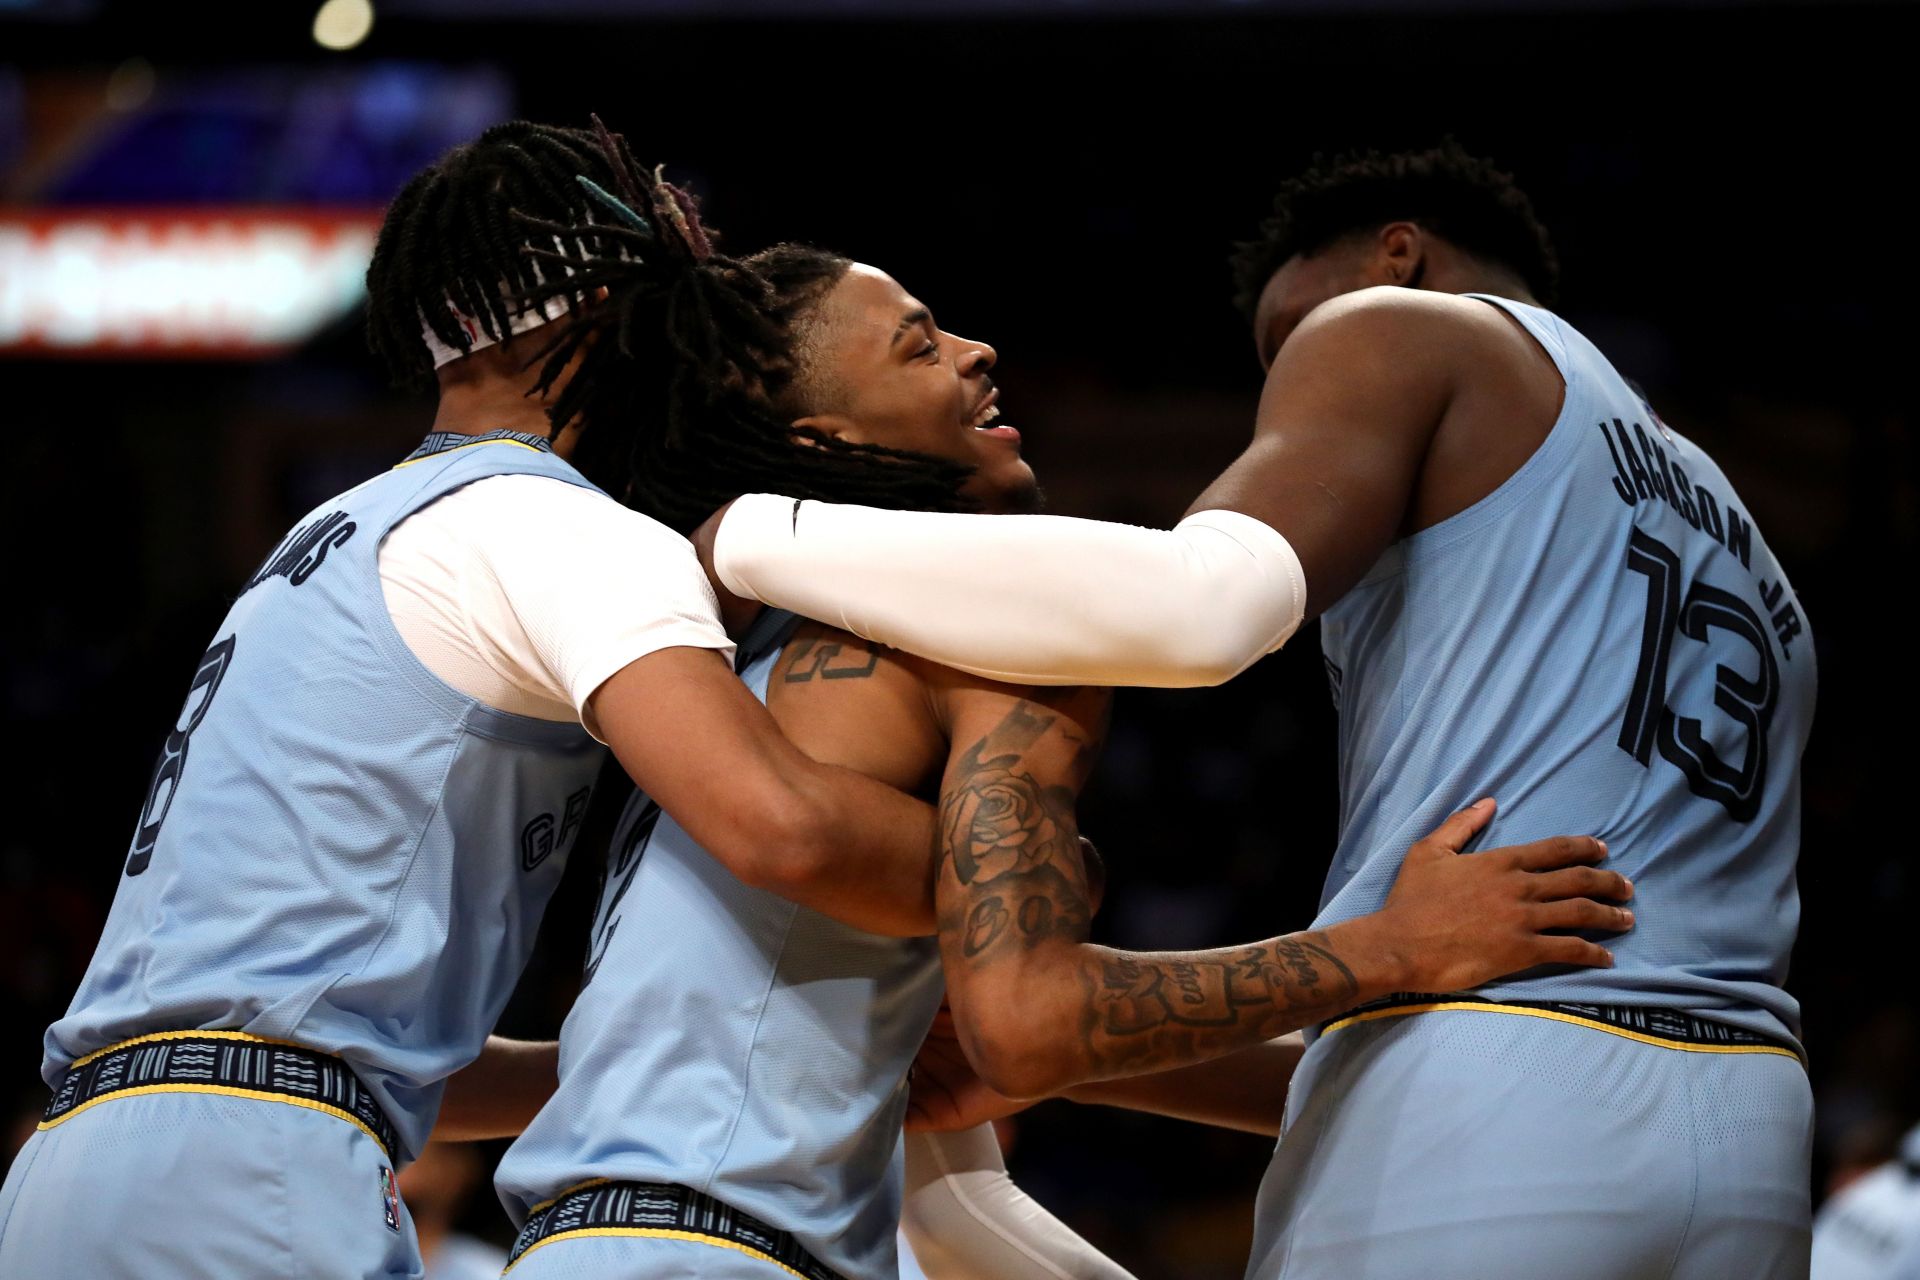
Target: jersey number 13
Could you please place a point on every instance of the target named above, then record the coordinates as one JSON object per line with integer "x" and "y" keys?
{"x": 1695, "y": 612}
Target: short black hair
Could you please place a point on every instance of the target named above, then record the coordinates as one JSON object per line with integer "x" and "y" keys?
{"x": 691, "y": 364}
{"x": 1459, "y": 197}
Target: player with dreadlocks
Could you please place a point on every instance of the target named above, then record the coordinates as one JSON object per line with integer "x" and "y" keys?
{"x": 732, "y": 1080}
{"x": 1528, "y": 585}
{"x": 718, "y": 325}
{"x": 386, "y": 753}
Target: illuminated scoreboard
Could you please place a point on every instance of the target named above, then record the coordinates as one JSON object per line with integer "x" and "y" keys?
{"x": 189, "y": 282}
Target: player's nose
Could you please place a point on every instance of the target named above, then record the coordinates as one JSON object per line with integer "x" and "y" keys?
{"x": 975, "y": 357}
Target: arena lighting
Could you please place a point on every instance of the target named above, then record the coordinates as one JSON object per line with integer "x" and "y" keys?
{"x": 194, "y": 282}
{"x": 342, "y": 24}
{"x": 131, "y": 85}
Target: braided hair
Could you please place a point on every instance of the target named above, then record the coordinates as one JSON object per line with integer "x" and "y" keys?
{"x": 1445, "y": 189}
{"x": 691, "y": 367}
{"x": 451, "y": 240}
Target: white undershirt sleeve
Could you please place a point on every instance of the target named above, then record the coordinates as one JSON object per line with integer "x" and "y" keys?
{"x": 1026, "y": 599}
{"x": 966, "y": 1220}
{"x": 527, "y": 592}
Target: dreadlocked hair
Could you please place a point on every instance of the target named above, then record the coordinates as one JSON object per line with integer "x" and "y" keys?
{"x": 1449, "y": 192}
{"x": 691, "y": 365}
{"x": 452, "y": 239}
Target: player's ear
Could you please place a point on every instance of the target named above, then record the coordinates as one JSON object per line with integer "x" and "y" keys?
{"x": 1401, "y": 256}
{"x": 836, "y": 426}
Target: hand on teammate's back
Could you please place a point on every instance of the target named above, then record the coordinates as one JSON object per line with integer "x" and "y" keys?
{"x": 1458, "y": 921}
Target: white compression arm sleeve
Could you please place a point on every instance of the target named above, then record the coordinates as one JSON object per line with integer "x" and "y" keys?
{"x": 1026, "y": 599}
{"x": 966, "y": 1220}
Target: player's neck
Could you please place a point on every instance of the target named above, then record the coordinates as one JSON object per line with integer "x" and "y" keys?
{"x": 476, "y": 406}
{"x": 1461, "y": 274}
{"x": 492, "y": 390}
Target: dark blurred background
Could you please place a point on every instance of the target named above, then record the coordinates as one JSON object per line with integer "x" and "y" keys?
{"x": 186, "y": 199}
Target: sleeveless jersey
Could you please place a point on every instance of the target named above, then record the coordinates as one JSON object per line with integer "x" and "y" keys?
{"x": 338, "y": 849}
{"x": 733, "y": 1042}
{"x": 1607, "y": 646}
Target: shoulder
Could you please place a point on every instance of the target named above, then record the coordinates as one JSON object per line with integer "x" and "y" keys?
{"x": 825, "y": 673}
{"x": 1390, "y": 318}
{"x": 1395, "y": 359}
{"x": 820, "y": 655}
{"x": 546, "y": 524}
{"x": 858, "y": 704}
{"x": 521, "y": 499}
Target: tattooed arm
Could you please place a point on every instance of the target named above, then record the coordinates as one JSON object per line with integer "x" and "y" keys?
{"x": 1245, "y": 1090}
{"x": 1040, "y": 1009}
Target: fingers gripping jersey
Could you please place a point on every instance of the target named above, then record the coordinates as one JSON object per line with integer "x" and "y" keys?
{"x": 336, "y": 848}
{"x": 735, "y": 1043}
{"x": 1606, "y": 645}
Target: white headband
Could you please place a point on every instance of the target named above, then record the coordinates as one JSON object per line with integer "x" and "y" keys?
{"x": 478, "y": 339}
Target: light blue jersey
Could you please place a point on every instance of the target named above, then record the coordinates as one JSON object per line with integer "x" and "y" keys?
{"x": 1606, "y": 644}
{"x": 338, "y": 849}
{"x": 731, "y": 1042}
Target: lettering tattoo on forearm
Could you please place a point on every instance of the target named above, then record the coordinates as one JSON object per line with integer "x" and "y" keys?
{"x": 1149, "y": 1011}
{"x": 1136, "y": 997}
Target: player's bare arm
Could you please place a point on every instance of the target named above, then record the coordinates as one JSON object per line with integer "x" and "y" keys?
{"x": 498, "y": 1094}
{"x": 1385, "y": 412}
{"x": 825, "y": 837}
{"x": 1245, "y": 1090}
{"x": 1040, "y": 1009}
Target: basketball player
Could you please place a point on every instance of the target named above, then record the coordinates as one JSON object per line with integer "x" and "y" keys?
{"x": 1528, "y": 584}
{"x": 383, "y": 759}
{"x": 732, "y": 1076}
{"x": 1871, "y": 1229}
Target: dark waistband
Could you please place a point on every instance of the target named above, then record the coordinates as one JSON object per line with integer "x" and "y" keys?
{"x": 663, "y": 1211}
{"x": 1668, "y": 1028}
{"x": 230, "y": 1063}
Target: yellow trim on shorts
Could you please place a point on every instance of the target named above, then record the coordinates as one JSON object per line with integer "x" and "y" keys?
{"x": 578, "y": 1186}
{"x": 226, "y": 1091}
{"x": 1658, "y": 1042}
{"x": 158, "y": 1036}
{"x": 472, "y": 444}
{"x": 652, "y": 1233}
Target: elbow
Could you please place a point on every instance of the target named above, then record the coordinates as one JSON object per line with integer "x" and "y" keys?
{"x": 1210, "y": 653}
{"x": 784, "y": 844}
{"x": 1205, "y": 637}
{"x": 1022, "y": 1072}
{"x": 1014, "y": 1056}
{"x": 1243, "y": 594}
{"x": 1216, "y": 666}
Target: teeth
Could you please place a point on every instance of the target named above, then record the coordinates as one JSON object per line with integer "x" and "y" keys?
{"x": 993, "y": 411}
